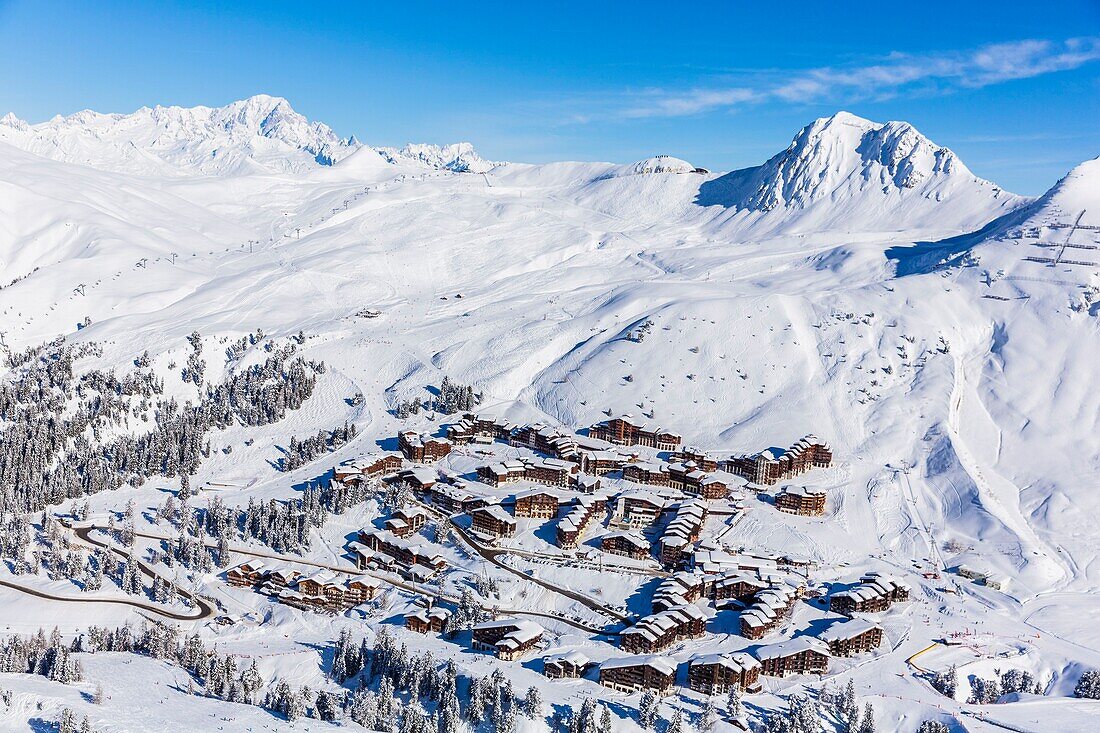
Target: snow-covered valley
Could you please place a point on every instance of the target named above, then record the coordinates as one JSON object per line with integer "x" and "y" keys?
{"x": 939, "y": 333}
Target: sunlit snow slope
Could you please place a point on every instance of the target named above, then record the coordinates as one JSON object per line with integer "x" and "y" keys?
{"x": 836, "y": 289}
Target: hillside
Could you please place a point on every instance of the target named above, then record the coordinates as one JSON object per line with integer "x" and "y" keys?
{"x": 862, "y": 285}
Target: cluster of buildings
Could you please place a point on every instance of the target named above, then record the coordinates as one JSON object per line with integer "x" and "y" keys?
{"x": 367, "y": 467}
{"x": 549, "y": 471}
{"x": 625, "y": 430}
{"x": 428, "y": 620}
{"x": 422, "y": 448}
{"x": 681, "y": 532}
{"x": 875, "y": 593}
{"x": 801, "y": 500}
{"x": 661, "y": 630}
{"x": 572, "y": 527}
{"x": 319, "y": 591}
{"x": 777, "y": 464}
{"x": 685, "y": 476}
{"x": 416, "y": 558}
{"x": 509, "y": 638}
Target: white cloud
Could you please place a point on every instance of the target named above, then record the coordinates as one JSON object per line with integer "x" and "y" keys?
{"x": 895, "y": 74}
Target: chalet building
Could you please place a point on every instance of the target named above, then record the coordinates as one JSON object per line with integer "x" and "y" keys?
{"x": 246, "y": 574}
{"x": 506, "y": 472}
{"x": 717, "y": 562}
{"x": 689, "y": 478}
{"x": 321, "y": 591}
{"x": 717, "y": 674}
{"x": 659, "y": 631}
{"x": 776, "y": 464}
{"x": 406, "y": 551}
{"x": 691, "y": 454}
{"x": 586, "y": 484}
{"x": 359, "y": 589}
{"x": 678, "y": 589}
{"x": 278, "y": 579}
{"x": 571, "y": 665}
{"x": 422, "y": 448}
{"x": 874, "y": 594}
{"x": 600, "y": 461}
{"x": 681, "y": 532}
{"x": 509, "y": 638}
{"x": 551, "y": 441}
{"x": 626, "y": 430}
{"x": 853, "y": 636}
{"x": 493, "y": 521}
{"x": 551, "y": 472}
{"x": 737, "y": 585}
{"x": 538, "y": 503}
{"x": 573, "y": 525}
{"x": 405, "y": 522}
{"x": 630, "y": 674}
{"x": 428, "y": 620}
{"x": 768, "y": 611}
{"x": 367, "y": 467}
{"x": 800, "y": 655}
{"x": 629, "y": 544}
{"x": 472, "y": 428}
{"x": 801, "y": 500}
{"x": 452, "y": 499}
{"x": 640, "y": 508}
{"x": 420, "y": 478}
{"x": 652, "y": 473}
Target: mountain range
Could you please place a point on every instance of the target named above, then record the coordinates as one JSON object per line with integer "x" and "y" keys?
{"x": 861, "y": 284}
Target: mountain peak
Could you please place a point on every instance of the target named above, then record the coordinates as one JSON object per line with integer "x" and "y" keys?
{"x": 458, "y": 157}
{"x": 847, "y": 152}
{"x": 261, "y": 133}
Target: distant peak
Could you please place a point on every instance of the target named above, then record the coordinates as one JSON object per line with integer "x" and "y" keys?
{"x": 458, "y": 157}
{"x": 10, "y": 120}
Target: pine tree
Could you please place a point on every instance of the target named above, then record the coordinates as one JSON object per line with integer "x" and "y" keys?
{"x": 647, "y": 709}
{"x": 867, "y": 722}
{"x": 532, "y": 703}
{"x": 709, "y": 716}
{"x": 733, "y": 702}
{"x": 605, "y": 720}
{"x": 933, "y": 726}
{"x": 676, "y": 723}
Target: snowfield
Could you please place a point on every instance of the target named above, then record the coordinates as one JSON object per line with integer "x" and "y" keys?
{"x": 862, "y": 285}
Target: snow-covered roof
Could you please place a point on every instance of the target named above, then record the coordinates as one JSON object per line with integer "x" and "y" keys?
{"x": 664, "y": 665}
{"x": 792, "y": 646}
{"x": 847, "y": 629}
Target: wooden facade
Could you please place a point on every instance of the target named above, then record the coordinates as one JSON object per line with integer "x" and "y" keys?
{"x": 717, "y": 674}
{"x": 775, "y": 464}
{"x": 631, "y": 674}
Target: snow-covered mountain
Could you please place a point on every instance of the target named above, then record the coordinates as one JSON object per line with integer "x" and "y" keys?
{"x": 458, "y": 157}
{"x": 261, "y": 134}
{"x": 863, "y": 285}
{"x": 844, "y": 170}
{"x": 258, "y": 134}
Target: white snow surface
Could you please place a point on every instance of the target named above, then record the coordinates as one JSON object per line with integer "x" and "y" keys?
{"x": 862, "y": 285}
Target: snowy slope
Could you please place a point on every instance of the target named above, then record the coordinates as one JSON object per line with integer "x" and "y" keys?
{"x": 457, "y": 157}
{"x": 842, "y": 170}
{"x": 258, "y": 134}
{"x": 863, "y": 286}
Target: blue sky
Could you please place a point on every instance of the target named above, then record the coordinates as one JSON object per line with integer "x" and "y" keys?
{"x": 1012, "y": 87}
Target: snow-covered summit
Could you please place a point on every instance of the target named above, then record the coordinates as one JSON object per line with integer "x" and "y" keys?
{"x": 259, "y": 134}
{"x": 845, "y": 155}
{"x": 849, "y": 168}
{"x": 458, "y": 157}
{"x": 657, "y": 164}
